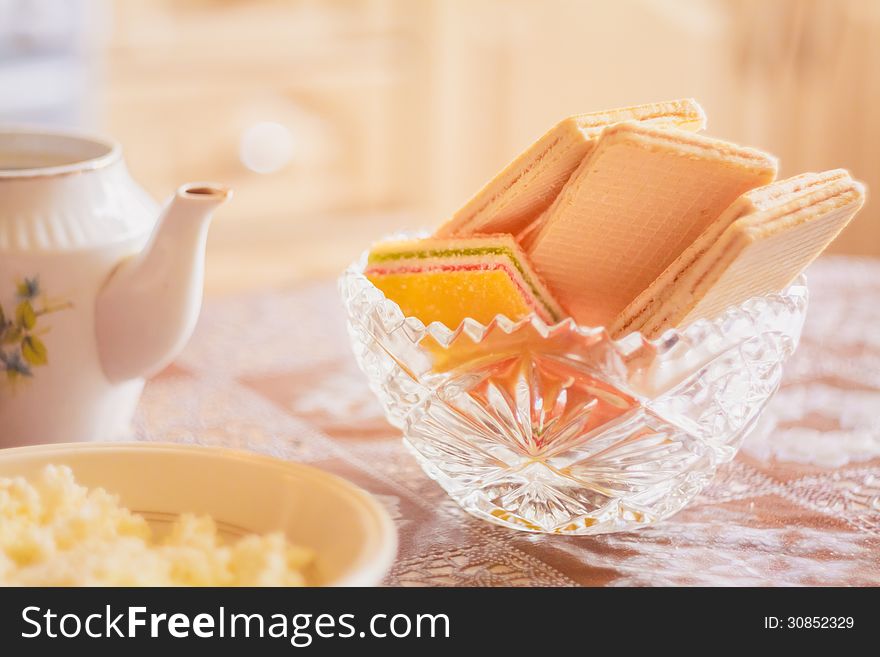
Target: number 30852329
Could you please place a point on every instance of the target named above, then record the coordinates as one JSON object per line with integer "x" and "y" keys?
{"x": 809, "y": 622}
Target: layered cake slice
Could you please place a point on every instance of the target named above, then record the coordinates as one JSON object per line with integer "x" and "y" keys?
{"x": 447, "y": 280}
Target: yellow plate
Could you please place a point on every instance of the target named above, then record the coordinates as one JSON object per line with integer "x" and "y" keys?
{"x": 351, "y": 533}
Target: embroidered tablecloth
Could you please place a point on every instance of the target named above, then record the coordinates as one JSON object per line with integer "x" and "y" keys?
{"x": 800, "y": 505}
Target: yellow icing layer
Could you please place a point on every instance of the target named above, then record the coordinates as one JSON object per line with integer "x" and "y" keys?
{"x": 450, "y": 296}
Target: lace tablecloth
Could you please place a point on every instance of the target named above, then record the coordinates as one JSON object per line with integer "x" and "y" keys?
{"x": 800, "y": 505}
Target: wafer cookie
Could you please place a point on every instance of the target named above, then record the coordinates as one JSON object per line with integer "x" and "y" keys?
{"x": 756, "y": 200}
{"x": 528, "y": 185}
{"x": 757, "y": 254}
{"x": 640, "y": 198}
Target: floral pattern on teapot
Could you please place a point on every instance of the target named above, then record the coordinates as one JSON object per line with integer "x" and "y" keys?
{"x": 21, "y": 348}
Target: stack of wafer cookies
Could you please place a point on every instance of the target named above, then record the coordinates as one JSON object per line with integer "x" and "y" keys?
{"x": 625, "y": 219}
{"x": 758, "y": 246}
{"x": 514, "y": 198}
{"x": 634, "y": 204}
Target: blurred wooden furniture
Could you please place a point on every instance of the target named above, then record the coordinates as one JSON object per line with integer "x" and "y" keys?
{"x": 186, "y": 79}
{"x": 397, "y": 110}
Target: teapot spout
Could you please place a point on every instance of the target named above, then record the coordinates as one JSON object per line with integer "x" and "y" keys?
{"x": 148, "y": 307}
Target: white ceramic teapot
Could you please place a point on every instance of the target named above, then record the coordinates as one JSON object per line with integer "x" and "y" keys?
{"x": 97, "y": 290}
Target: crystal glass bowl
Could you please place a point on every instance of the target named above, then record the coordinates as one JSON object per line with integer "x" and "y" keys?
{"x": 560, "y": 429}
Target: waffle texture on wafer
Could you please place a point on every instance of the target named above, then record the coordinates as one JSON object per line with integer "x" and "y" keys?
{"x": 760, "y": 199}
{"x": 634, "y": 205}
{"x": 447, "y": 280}
{"x": 529, "y": 184}
{"x": 760, "y": 252}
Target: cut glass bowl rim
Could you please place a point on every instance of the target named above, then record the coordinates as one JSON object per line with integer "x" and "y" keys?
{"x": 794, "y": 294}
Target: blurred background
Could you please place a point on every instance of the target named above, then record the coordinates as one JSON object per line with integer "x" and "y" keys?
{"x": 338, "y": 121}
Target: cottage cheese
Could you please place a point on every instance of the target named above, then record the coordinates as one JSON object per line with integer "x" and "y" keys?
{"x": 56, "y": 532}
